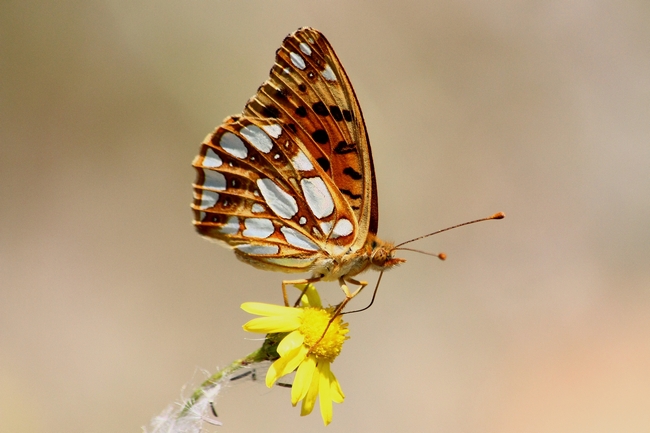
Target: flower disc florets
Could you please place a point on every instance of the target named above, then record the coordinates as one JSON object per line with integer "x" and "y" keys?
{"x": 314, "y": 321}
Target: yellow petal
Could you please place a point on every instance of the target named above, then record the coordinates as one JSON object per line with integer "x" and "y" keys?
{"x": 266, "y": 325}
{"x": 311, "y": 298}
{"x": 290, "y": 342}
{"x": 310, "y": 399}
{"x": 285, "y": 364}
{"x": 324, "y": 392}
{"x": 262, "y": 309}
{"x": 303, "y": 379}
{"x": 335, "y": 389}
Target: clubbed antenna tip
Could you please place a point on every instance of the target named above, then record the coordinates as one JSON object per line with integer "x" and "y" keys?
{"x": 496, "y": 216}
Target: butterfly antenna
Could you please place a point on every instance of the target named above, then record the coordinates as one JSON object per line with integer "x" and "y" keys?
{"x": 371, "y": 301}
{"x": 496, "y": 216}
{"x": 441, "y": 256}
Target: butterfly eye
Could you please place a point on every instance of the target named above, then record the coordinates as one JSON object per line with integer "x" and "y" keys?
{"x": 379, "y": 257}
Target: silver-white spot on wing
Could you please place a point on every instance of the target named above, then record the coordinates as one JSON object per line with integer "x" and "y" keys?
{"x": 297, "y": 61}
{"x": 326, "y": 227}
{"x": 291, "y": 262}
{"x": 302, "y": 221}
{"x": 328, "y": 74}
{"x": 343, "y": 227}
{"x": 258, "y": 249}
{"x": 208, "y": 199}
{"x": 214, "y": 180}
{"x": 257, "y": 208}
{"x": 273, "y": 130}
{"x": 231, "y": 227}
{"x": 278, "y": 200}
{"x": 211, "y": 159}
{"x": 258, "y": 228}
{"x": 257, "y": 138}
{"x": 305, "y": 48}
{"x": 233, "y": 145}
{"x": 301, "y": 162}
{"x": 318, "y": 196}
{"x": 298, "y": 240}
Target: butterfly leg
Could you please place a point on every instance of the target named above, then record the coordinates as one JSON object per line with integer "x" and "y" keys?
{"x": 285, "y": 283}
{"x": 348, "y": 296}
{"x": 361, "y": 284}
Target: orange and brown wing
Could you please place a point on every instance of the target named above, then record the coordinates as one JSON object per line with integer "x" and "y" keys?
{"x": 310, "y": 93}
{"x": 291, "y": 179}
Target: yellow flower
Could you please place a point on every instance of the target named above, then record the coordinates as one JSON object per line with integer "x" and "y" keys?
{"x": 304, "y": 348}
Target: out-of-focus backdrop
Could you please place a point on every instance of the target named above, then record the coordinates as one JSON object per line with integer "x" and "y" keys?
{"x": 110, "y": 303}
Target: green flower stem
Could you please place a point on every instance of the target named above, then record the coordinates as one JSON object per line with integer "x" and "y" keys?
{"x": 268, "y": 352}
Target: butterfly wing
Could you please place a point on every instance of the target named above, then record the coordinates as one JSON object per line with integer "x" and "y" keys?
{"x": 291, "y": 178}
{"x": 310, "y": 90}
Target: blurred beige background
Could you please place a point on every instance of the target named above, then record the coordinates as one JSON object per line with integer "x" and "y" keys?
{"x": 109, "y": 303}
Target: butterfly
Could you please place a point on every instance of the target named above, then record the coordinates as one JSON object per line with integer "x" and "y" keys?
{"x": 289, "y": 184}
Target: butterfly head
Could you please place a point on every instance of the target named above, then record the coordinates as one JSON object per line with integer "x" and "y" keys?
{"x": 382, "y": 255}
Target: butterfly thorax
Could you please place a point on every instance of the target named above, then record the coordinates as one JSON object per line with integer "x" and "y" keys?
{"x": 375, "y": 254}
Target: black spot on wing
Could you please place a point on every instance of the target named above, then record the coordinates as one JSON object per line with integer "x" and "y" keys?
{"x": 347, "y": 115}
{"x": 270, "y": 111}
{"x": 336, "y": 113}
{"x": 320, "y": 109}
{"x": 301, "y": 111}
{"x": 320, "y": 136}
{"x": 352, "y": 173}
{"x": 291, "y": 127}
{"x": 324, "y": 163}
{"x": 344, "y": 147}
{"x": 302, "y": 87}
{"x": 350, "y": 194}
